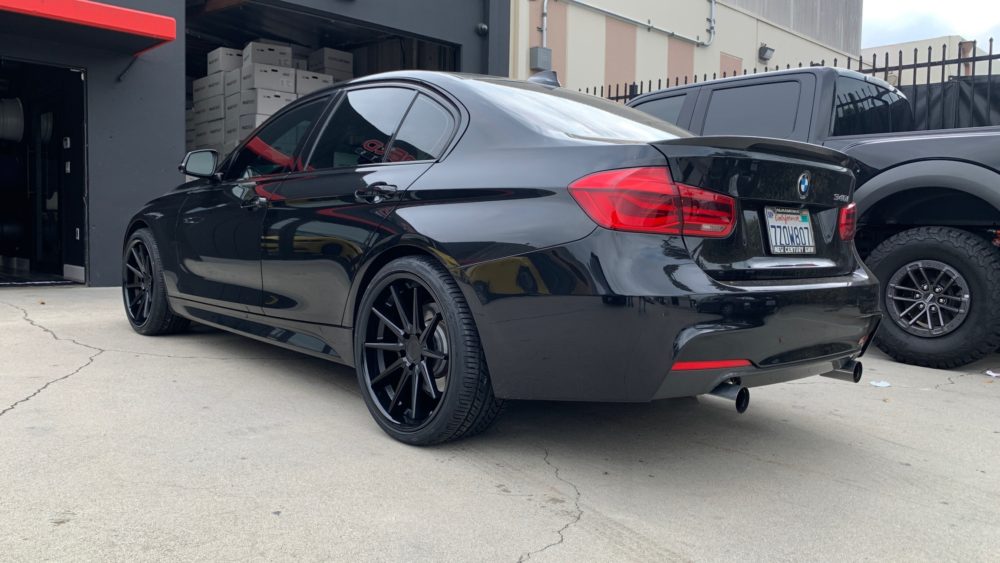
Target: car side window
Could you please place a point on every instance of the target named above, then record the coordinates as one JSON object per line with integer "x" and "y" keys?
{"x": 360, "y": 129}
{"x": 425, "y": 132}
{"x": 765, "y": 110}
{"x": 272, "y": 150}
{"x": 667, "y": 109}
{"x": 863, "y": 108}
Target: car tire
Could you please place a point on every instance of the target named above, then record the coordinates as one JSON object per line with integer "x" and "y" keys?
{"x": 143, "y": 291}
{"x": 968, "y": 265}
{"x": 417, "y": 408}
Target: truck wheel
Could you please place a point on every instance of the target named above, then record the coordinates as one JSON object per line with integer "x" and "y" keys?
{"x": 940, "y": 294}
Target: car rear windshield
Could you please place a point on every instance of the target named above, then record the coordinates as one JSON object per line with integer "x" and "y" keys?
{"x": 562, "y": 112}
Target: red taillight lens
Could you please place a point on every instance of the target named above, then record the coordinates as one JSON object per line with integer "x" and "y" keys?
{"x": 707, "y": 214}
{"x": 711, "y": 364}
{"x": 647, "y": 200}
{"x": 847, "y": 223}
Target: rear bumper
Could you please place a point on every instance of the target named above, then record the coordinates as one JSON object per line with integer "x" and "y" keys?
{"x": 593, "y": 321}
{"x": 700, "y": 382}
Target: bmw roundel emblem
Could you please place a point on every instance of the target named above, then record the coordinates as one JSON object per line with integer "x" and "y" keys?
{"x": 804, "y": 180}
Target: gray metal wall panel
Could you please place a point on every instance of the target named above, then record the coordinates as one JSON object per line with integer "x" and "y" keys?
{"x": 452, "y": 21}
{"x": 135, "y": 129}
{"x": 836, "y": 23}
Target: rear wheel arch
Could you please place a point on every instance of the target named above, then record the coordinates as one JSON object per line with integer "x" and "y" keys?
{"x": 133, "y": 227}
{"x": 371, "y": 268}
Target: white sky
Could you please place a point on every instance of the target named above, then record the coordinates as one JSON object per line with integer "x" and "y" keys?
{"x": 896, "y": 21}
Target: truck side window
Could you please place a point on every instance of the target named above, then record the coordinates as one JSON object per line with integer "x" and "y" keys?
{"x": 863, "y": 108}
{"x": 667, "y": 109}
{"x": 765, "y": 110}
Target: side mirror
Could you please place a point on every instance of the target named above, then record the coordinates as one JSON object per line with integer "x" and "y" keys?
{"x": 200, "y": 164}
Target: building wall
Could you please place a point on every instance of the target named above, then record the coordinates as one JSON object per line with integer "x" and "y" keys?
{"x": 595, "y": 57}
{"x": 135, "y": 128}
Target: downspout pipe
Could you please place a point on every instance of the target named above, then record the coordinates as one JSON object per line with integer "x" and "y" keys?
{"x": 711, "y": 25}
{"x": 646, "y": 24}
{"x": 545, "y": 23}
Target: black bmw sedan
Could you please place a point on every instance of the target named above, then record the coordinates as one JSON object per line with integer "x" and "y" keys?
{"x": 461, "y": 240}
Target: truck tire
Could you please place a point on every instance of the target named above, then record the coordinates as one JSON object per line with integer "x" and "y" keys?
{"x": 940, "y": 297}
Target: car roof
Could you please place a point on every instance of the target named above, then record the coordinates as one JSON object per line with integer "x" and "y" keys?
{"x": 824, "y": 71}
{"x": 447, "y": 81}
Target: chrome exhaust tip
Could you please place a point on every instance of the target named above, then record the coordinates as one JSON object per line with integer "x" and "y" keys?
{"x": 733, "y": 392}
{"x": 850, "y": 371}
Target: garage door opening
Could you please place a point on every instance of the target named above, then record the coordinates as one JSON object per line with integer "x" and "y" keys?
{"x": 227, "y": 100}
{"x": 42, "y": 174}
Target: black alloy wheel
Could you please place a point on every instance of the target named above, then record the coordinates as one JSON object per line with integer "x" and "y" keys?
{"x": 940, "y": 296}
{"x": 928, "y": 298}
{"x": 406, "y": 353}
{"x": 419, "y": 360}
{"x": 138, "y": 282}
{"x": 143, "y": 292}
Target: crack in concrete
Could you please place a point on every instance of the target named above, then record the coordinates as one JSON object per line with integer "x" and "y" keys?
{"x": 561, "y": 532}
{"x": 35, "y": 324}
{"x": 950, "y": 381}
{"x": 90, "y": 359}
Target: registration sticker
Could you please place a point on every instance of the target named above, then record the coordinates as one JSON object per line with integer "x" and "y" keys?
{"x": 789, "y": 231}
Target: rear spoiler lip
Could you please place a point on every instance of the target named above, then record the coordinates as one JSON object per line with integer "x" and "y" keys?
{"x": 765, "y": 145}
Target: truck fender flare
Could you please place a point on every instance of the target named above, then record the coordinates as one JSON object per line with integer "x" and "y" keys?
{"x": 975, "y": 180}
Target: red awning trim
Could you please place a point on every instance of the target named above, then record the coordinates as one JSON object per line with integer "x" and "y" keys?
{"x": 98, "y": 15}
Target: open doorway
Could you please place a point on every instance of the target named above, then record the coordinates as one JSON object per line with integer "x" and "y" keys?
{"x": 42, "y": 174}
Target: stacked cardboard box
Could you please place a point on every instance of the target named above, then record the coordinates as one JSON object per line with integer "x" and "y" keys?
{"x": 207, "y": 115}
{"x": 267, "y": 84}
{"x": 338, "y": 64}
{"x": 244, "y": 88}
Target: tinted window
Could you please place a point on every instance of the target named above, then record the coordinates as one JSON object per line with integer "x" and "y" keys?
{"x": 272, "y": 150}
{"x": 425, "y": 132}
{"x": 360, "y": 128}
{"x": 562, "y": 112}
{"x": 667, "y": 109}
{"x": 862, "y": 108}
{"x": 766, "y": 110}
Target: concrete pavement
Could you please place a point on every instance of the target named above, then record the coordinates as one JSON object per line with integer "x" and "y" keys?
{"x": 213, "y": 447}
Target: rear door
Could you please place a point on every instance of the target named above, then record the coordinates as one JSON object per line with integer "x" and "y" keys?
{"x": 218, "y": 233}
{"x": 788, "y": 196}
{"x": 374, "y": 145}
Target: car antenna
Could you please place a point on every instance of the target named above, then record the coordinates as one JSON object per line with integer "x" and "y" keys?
{"x": 546, "y": 78}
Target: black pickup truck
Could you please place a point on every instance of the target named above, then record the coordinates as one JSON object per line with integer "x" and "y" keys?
{"x": 928, "y": 201}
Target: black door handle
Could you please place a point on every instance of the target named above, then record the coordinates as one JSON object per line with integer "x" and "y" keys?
{"x": 376, "y": 192}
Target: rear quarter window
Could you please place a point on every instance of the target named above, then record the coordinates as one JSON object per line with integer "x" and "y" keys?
{"x": 764, "y": 110}
{"x": 667, "y": 109}
{"x": 863, "y": 108}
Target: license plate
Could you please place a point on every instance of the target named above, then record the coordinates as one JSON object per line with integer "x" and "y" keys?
{"x": 789, "y": 231}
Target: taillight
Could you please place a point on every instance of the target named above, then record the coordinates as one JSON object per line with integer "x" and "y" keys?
{"x": 847, "y": 222}
{"x": 647, "y": 200}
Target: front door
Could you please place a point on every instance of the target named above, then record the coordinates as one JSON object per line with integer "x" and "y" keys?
{"x": 219, "y": 227}
{"x": 319, "y": 228}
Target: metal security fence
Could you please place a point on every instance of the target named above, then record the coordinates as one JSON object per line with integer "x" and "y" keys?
{"x": 946, "y": 90}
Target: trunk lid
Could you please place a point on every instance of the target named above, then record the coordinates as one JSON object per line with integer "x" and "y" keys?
{"x": 788, "y": 198}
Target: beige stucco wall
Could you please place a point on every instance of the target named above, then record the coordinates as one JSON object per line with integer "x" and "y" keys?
{"x": 739, "y": 34}
{"x": 585, "y": 47}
